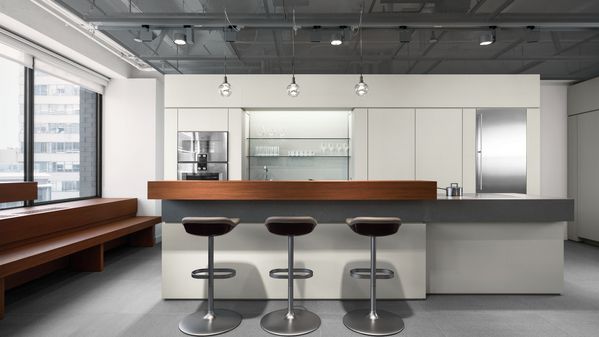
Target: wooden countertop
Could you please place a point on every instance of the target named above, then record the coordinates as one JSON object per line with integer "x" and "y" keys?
{"x": 18, "y": 191}
{"x": 293, "y": 190}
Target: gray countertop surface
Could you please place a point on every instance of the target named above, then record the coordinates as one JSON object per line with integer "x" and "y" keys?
{"x": 487, "y": 207}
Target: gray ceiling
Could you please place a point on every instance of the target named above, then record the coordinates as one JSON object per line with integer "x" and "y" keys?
{"x": 568, "y": 47}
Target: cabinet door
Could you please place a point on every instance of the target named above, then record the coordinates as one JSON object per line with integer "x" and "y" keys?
{"x": 203, "y": 120}
{"x": 439, "y": 145}
{"x": 588, "y": 176}
{"x": 390, "y": 144}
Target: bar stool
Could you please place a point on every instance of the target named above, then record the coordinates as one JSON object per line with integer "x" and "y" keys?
{"x": 371, "y": 322}
{"x": 211, "y": 321}
{"x": 290, "y": 321}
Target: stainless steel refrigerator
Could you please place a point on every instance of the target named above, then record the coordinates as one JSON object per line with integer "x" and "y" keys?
{"x": 501, "y": 150}
{"x": 202, "y": 155}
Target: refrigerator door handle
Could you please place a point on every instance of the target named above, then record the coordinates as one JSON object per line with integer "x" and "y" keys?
{"x": 479, "y": 152}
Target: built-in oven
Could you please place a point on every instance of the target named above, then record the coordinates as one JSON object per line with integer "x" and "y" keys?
{"x": 202, "y": 155}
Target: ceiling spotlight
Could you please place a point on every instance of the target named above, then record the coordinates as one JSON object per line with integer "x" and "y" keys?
{"x": 189, "y": 35}
{"x": 337, "y": 39}
{"x": 433, "y": 38}
{"x": 405, "y": 36}
{"x": 145, "y": 35}
{"x": 315, "y": 35}
{"x": 532, "y": 35}
{"x": 180, "y": 39}
{"x": 487, "y": 38}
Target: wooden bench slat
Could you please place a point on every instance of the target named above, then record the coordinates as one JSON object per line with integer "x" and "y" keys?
{"x": 23, "y": 257}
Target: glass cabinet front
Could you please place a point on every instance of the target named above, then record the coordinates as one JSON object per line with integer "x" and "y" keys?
{"x": 298, "y": 145}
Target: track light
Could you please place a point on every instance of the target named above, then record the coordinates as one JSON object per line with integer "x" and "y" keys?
{"x": 532, "y": 35}
{"x": 188, "y": 35}
{"x": 337, "y": 39}
{"x": 433, "y": 38}
{"x": 405, "y": 36}
{"x": 487, "y": 38}
{"x": 145, "y": 35}
{"x": 180, "y": 39}
{"x": 315, "y": 35}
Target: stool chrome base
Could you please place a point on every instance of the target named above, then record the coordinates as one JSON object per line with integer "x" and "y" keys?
{"x": 386, "y": 324}
{"x": 197, "y": 324}
{"x": 277, "y": 323}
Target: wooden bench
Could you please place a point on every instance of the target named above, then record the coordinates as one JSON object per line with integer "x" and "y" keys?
{"x": 37, "y": 240}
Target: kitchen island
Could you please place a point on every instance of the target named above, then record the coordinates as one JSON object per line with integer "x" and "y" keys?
{"x": 486, "y": 243}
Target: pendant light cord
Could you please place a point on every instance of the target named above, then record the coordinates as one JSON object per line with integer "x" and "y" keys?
{"x": 293, "y": 47}
{"x": 225, "y": 43}
{"x": 360, "y": 35}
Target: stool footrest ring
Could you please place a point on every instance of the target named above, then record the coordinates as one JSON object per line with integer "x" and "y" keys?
{"x": 219, "y": 273}
{"x": 364, "y": 273}
{"x": 298, "y": 273}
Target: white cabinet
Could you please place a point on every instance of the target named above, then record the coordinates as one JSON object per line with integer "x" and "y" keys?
{"x": 439, "y": 145}
{"x": 202, "y": 120}
{"x": 391, "y": 144}
{"x": 588, "y": 176}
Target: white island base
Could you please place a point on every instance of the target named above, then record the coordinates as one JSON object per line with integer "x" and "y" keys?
{"x": 462, "y": 258}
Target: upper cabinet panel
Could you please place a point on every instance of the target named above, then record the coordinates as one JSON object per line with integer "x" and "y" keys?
{"x": 336, "y": 91}
{"x": 439, "y": 145}
{"x": 390, "y": 144}
{"x": 203, "y": 120}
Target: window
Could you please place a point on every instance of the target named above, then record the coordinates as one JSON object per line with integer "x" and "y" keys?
{"x": 11, "y": 124}
{"x": 62, "y": 122}
{"x": 66, "y": 114}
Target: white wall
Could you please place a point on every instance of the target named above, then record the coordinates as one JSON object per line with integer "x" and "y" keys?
{"x": 133, "y": 140}
{"x": 554, "y": 134}
{"x": 583, "y": 119}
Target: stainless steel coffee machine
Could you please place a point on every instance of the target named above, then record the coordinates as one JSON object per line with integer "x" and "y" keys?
{"x": 202, "y": 155}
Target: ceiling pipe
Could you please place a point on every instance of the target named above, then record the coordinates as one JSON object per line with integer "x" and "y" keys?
{"x": 374, "y": 20}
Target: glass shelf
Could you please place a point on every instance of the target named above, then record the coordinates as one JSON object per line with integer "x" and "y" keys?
{"x": 316, "y": 156}
{"x": 292, "y": 138}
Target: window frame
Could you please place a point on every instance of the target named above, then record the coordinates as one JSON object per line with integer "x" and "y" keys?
{"x": 29, "y": 150}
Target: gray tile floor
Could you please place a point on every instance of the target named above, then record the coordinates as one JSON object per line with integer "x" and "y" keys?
{"x": 124, "y": 300}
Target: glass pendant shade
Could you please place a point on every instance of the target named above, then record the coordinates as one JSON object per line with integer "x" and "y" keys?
{"x": 361, "y": 88}
{"x": 224, "y": 89}
{"x": 293, "y": 88}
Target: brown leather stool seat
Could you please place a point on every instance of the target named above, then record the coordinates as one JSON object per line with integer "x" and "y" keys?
{"x": 374, "y": 226}
{"x": 209, "y": 226}
{"x": 290, "y": 225}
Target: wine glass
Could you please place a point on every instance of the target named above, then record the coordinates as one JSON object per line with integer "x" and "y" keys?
{"x": 331, "y": 148}
{"x": 346, "y": 149}
{"x": 323, "y": 148}
{"x": 339, "y": 148}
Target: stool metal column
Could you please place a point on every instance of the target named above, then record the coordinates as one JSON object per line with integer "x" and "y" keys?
{"x": 210, "y": 321}
{"x": 373, "y": 322}
{"x": 291, "y": 321}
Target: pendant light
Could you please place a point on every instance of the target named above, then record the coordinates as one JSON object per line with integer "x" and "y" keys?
{"x": 361, "y": 88}
{"x": 293, "y": 88}
{"x": 225, "y": 89}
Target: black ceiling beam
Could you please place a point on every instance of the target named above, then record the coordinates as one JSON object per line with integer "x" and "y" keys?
{"x": 377, "y": 58}
{"x": 373, "y": 20}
